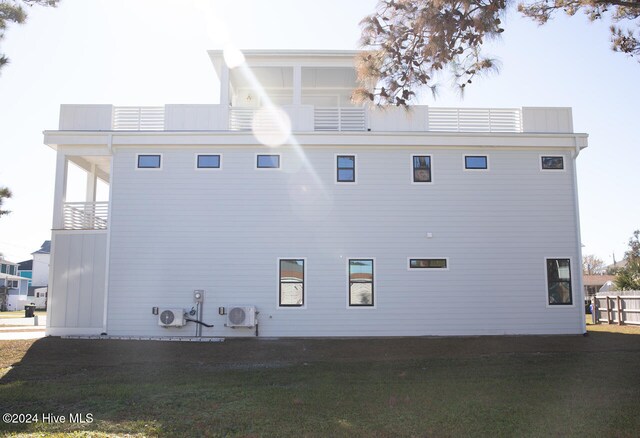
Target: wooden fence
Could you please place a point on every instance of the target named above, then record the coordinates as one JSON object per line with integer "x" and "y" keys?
{"x": 616, "y": 309}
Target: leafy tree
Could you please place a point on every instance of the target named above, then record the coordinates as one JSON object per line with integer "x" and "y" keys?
{"x": 407, "y": 42}
{"x": 13, "y": 11}
{"x": 5, "y": 193}
{"x": 628, "y": 277}
{"x": 591, "y": 265}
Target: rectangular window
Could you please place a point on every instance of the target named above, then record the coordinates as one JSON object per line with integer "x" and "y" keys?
{"x": 268, "y": 162}
{"x": 475, "y": 162}
{"x": 346, "y": 168}
{"x": 148, "y": 161}
{"x": 3, "y": 268}
{"x": 559, "y": 281}
{"x": 428, "y": 264}
{"x": 421, "y": 168}
{"x": 360, "y": 282}
{"x": 208, "y": 162}
{"x": 552, "y": 163}
{"x": 291, "y": 274}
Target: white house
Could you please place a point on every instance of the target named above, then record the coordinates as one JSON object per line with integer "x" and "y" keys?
{"x": 13, "y": 288}
{"x": 289, "y": 207}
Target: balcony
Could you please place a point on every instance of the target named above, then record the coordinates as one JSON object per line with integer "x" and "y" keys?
{"x": 310, "y": 118}
{"x": 85, "y": 215}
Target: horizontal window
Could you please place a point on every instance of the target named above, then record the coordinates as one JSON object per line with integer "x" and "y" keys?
{"x": 428, "y": 263}
{"x": 291, "y": 290}
{"x": 208, "y": 161}
{"x": 559, "y": 282}
{"x": 475, "y": 162}
{"x": 360, "y": 282}
{"x": 149, "y": 162}
{"x": 552, "y": 163}
{"x": 346, "y": 168}
{"x": 421, "y": 168}
{"x": 268, "y": 162}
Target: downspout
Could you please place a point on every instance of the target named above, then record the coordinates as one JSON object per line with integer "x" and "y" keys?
{"x": 576, "y": 201}
{"x": 108, "y": 249}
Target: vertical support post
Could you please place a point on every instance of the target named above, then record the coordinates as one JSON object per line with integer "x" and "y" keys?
{"x": 60, "y": 191}
{"x": 594, "y": 310}
{"x": 91, "y": 184}
{"x": 608, "y": 309}
{"x": 619, "y": 304}
{"x": 297, "y": 85}
{"x": 224, "y": 94}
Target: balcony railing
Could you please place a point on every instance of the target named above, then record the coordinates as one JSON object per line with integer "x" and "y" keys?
{"x": 85, "y": 215}
{"x": 339, "y": 119}
{"x": 138, "y": 118}
{"x": 240, "y": 119}
{"x": 475, "y": 119}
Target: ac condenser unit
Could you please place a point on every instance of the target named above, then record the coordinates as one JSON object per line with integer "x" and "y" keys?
{"x": 241, "y": 316}
{"x": 171, "y": 318}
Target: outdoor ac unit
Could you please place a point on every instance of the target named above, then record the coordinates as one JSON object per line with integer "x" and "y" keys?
{"x": 241, "y": 316}
{"x": 171, "y": 318}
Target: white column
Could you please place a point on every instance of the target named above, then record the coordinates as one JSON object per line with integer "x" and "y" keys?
{"x": 60, "y": 191}
{"x": 91, "y": 184}
{"x": 297, "y": 85}
{"x": 224, "y": 95}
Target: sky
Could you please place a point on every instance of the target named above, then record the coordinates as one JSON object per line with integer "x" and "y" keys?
{"x": 153, "y": 52}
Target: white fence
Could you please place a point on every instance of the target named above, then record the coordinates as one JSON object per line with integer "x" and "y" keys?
{"x": 85, "y": 215}
{"x": 339, "y": 119}
{"x": 138, "y": 118}
{"x": 617, "y": 309}
{"x": 475, "y": 119}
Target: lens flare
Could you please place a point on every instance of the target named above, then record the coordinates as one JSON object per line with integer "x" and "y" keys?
{"x": 271, "y": 126}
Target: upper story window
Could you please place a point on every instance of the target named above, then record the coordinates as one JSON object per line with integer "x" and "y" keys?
{"x": 559, "y": 282}
{"x": 421, "y": 168}
{"x": 291, "y": 277}
{"x": 149, "y": 161}
{"x": 428, "y": 264}
{"x": 360, "y": 282}
{"x": 476, "y": 162}
{"x": 208, "y": 162}
{"x": 552, "y": 163}
{"x": 346, "y": 168}
{"x": 268, "y": 162}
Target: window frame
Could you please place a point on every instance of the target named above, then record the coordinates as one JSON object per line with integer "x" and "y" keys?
{"x": 475, "y": 169}
{"x": 257, "y": 162}
{"x": 197, "y": 167}
{"x": 409, "y": 268}
{"x": 374, "y": 288}
{"x": 337, "y": 168}
{"x": 304, "y": 284}
{"x": 137, "y": 163}
{"x": 571, "y": 288}
{"x": 543, "y": 169}
{"x": 413, "y": 175}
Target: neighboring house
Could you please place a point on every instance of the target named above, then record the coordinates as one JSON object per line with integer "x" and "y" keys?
{"x": 363, "y": 222}
{"x": 593, "y": 283}
{"x": 13, "y": 288}
{"x": 41, "y": 260}
{"x": 25, "y": 269}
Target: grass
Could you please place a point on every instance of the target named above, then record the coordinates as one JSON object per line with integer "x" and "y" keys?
{"x": 486, "y": 386}
{"x": 20, "y": 314}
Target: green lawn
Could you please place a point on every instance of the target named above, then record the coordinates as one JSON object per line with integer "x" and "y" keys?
{"x": 488, "y": 386}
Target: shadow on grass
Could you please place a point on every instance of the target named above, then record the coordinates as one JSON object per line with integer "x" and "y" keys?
{"x": 481, "y": 386}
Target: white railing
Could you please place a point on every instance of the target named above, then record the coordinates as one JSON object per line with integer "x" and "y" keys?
{"x": 475, "y": 119}
{"x": 240, "y": 119}
{"x": 339, "y": 119}
{"x": 85, "y": 215}
{"x": 138, "y": 118}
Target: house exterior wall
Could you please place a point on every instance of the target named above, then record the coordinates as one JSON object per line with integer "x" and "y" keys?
{"x": 177, "y": 229}
{"x": 76, "y": 291}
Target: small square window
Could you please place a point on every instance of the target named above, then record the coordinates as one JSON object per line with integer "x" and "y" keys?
{"x": 268, "y": 162}
{"x": 346, "y": 168}
{"x": 421, "y": 168}
{"x": 149, "y": 161}
{"x": 208, "y": 161}
{"x": 475, "y": 162}
{"x": 552, "y": 163}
